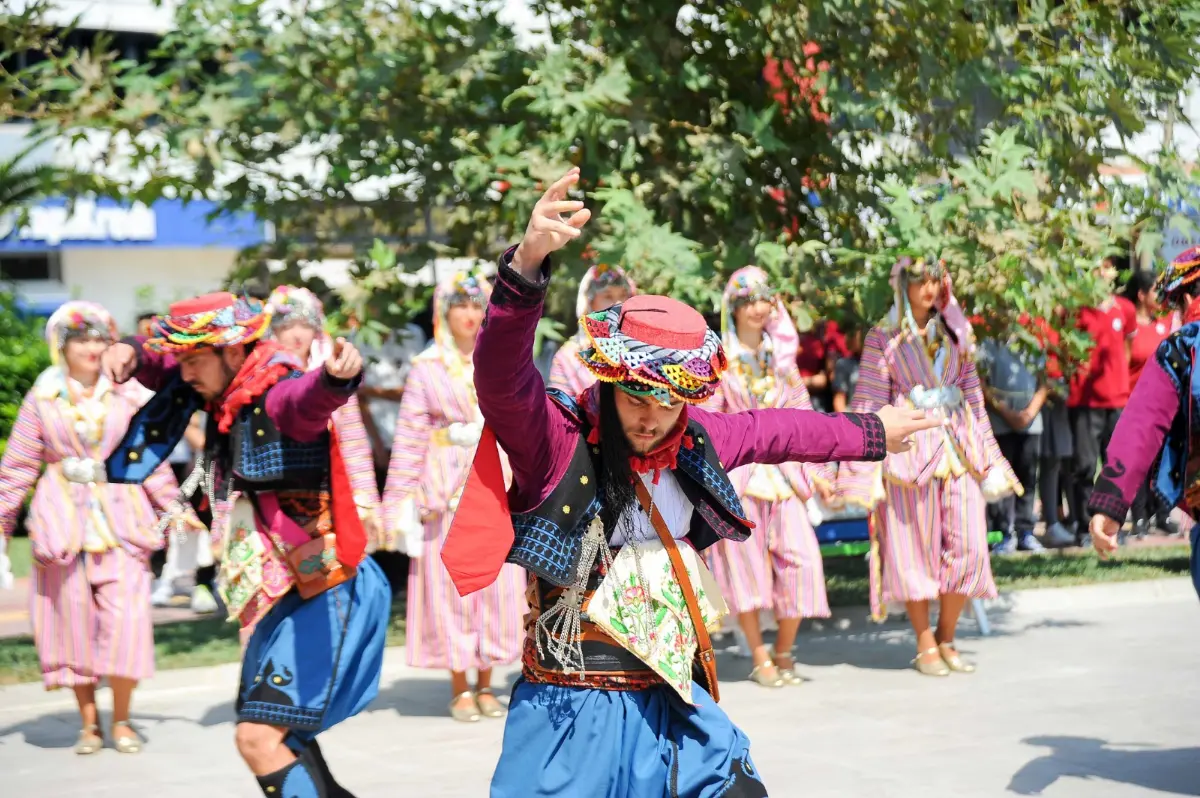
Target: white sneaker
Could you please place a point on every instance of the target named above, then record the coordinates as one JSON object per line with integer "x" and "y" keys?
{"x": 164, "y": 591}
{"x": 202, "y": 600}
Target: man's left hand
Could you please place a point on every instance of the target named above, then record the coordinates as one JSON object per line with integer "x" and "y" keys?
{"x": 345, "y": 363}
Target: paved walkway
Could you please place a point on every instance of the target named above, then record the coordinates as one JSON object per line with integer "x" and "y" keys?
{"x": 1081, "y": 692}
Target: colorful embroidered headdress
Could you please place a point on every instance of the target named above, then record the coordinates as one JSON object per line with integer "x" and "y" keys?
{"x": 656, "y": 347}
{"x": 461, "y": 288}
{"x": 751, "y": 284}
{"x": 77, "y": 319}
{"x": 598, "y": 278}
{"x": 1183, "y": 270}
{"x": 215, "y": 320}
{"x": 288, "y": 305}
{"x": 951, "y": 316}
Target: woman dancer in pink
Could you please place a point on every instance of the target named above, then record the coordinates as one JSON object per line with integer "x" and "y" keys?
{"x": 602, "y": 287}
{"x": 931, "y": 531}
{"x": 91, "y": 540}
{"x": 298, "y": 323}
{"x": 779, "y": 568}
{"x": 436, "y": 435}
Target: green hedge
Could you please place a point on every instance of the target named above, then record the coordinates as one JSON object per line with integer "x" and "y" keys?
{"x": 23, "y": 355}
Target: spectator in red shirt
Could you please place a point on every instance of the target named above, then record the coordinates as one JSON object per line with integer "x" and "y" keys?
{"x": 810, "y": 360}
{"x": 1152, "y": 328}
{"x": 1099, "y": 390}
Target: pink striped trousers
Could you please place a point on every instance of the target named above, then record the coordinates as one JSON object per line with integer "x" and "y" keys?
{"x": 779, "y": 568}
{"x": 91, "y": 618}
{"x": 933, "y": 541}
{"x": 450, "y": 632}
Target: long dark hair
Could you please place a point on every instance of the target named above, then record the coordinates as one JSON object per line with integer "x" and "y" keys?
{"x": 616, "y": 474}
{"x": 1139, "y": 282}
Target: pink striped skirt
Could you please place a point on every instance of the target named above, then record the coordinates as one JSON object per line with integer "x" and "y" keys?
{"x": 779, "y": 568}
{"x": 91, "y": 618}
{"x": 933, "y": 542}
{"x": 450, "y": 632}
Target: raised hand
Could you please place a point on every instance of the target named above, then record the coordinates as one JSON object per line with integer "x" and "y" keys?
{"x": 119, "y": 362}
{"x": 900, "y": 424}
{"x": 555, "y": 221}
{"x": 345, "y": 363}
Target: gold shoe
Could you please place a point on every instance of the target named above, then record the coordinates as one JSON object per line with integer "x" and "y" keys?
{"x": 126, "y": 745}
{"x": 936, "y": 667}
{"x": 493, "y": 708}
{"x": 89, "y": 741}
{"x": 953, "y": 661}
{"x": 760, "y": 675}
{"x": 787, "y": 669}
{"x": 468, "y": 714}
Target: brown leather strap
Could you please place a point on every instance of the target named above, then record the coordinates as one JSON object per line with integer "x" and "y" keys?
{"x": 704, "y": 651}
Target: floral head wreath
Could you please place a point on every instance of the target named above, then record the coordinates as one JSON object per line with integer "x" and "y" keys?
{"x": 78, "y": 319}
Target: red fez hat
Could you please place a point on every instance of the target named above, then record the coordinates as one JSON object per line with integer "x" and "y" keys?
{"x": 663, "y": 321}
{"x": 203, "y": 304}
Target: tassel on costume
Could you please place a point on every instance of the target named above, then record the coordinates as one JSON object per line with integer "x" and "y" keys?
{"x": 560, "y": 625}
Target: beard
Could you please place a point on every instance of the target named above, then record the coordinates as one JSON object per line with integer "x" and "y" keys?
{"x": 210, "y": 392}
{"x": 616, "y": 475}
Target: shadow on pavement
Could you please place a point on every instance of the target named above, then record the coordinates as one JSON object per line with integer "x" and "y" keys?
{"x": 429, "y": 698}
{"x": 61, "y": 729}
{"x": 1175, "y": 771}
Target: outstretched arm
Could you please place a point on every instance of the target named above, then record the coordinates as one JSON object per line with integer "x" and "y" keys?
{"x": 781, "y": 435}
{"x": 301, "y": 407}
{"x": 1136, "y": 442}
{"x": 512, "y": 396}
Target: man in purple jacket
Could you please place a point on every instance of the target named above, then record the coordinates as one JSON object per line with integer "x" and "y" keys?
{"x": 293, "y": 569}
{"x": 1157, "y": 434}
{"x": 606, "y": 706}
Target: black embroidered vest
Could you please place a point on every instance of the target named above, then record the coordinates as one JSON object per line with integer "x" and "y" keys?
{"x": 549, "y": 544}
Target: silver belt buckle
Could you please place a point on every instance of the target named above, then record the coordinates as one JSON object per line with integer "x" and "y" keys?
{"x": 83, "y": 470}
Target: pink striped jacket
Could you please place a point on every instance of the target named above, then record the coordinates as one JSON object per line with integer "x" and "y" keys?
{"x": 734, "y": 397}
{"x": 567, "y": 372}
{"x": 57, "y": 524}
{"x": 893, "y": 363}
{"x": 359, "y": 460}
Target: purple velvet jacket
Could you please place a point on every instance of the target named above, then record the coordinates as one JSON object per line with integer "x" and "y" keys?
{"x": 540, "y": 438}
{"x": 300, "y": 408}
{"x": 1136, "y": 442}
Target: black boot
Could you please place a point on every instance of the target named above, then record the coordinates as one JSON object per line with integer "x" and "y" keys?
{"x": 316, "y": 761}
{"x": 296, "y": 780}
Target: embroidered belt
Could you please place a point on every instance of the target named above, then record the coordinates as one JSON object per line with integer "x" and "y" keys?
{"x": 83, "y": 470}
{"x": 944, "y": 397}
{"x": 606, "y": 665}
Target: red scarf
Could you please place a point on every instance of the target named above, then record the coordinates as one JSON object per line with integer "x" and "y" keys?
{"x": 1193, "y": 311}
{"x": 664, "y": 456}
{"x": 257, "y": 374}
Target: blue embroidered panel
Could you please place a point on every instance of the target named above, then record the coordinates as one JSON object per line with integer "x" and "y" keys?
{"x": 542, "y": 547}
{"x": 715, "y": 481}
{"x": 280, "y": 458}
{"x": 153, "y": 433}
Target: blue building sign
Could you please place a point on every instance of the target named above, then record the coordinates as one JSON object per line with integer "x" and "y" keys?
{"x": 106, "y": 223}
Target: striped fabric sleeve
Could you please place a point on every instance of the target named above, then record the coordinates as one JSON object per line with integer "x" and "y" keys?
{"x": 857, "y": 482}
{"x": 161, "y": 486}
{"x": 410, "y": 446}
{"x": 22, "y": 463}
{"x": 356, "y": 452}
